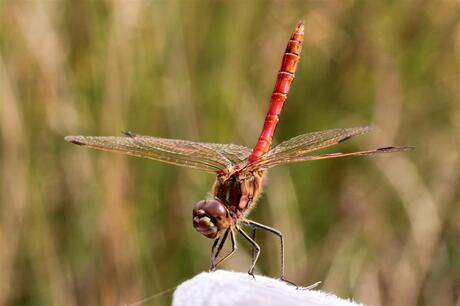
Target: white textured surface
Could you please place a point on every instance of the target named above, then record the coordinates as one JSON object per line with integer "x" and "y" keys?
{"x": 222, "y": 288}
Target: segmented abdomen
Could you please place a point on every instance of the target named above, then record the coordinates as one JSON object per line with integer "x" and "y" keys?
{"x": 283, "y": 83}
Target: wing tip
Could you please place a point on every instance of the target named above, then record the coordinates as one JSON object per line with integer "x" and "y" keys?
{"x": 74, "y": 140}
{"x": 396, "y": 149}
{"x": 129, "y": 134}
{"x": 345, "y": 139}
{"x": 356, "y": 131}
{"x": 365, "y": 129}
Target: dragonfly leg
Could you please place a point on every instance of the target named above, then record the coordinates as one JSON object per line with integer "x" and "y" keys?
{"x": 253, "y": 236}
{"x": 256, "y": 249}
{"x": 232, "y": 239}
{"x": 276, "y": 232}
{"x": 213, "y": 248}
{"x": 215, "y": 252}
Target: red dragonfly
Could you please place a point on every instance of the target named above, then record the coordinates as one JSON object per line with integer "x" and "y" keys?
{"x": 240, "y": 170}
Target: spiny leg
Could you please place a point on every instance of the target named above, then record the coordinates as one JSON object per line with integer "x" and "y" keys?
{"x": 276, "y": 232}
{"x": 255, "y": 246}
{"x": 215, "y": 252}
{"x": 253, "y": 236}
{"x": 216, "y": 241}
{"x": 255, "y": 225}
{"x": 232, "y": 238}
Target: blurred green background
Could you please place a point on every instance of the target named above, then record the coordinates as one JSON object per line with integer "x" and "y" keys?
{"x": 81, "y": 227}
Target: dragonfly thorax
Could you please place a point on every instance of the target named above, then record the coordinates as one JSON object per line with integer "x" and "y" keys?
{"x": 238, "y": 191}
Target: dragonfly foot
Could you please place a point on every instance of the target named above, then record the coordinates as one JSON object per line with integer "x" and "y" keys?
{"x": 311, "y": 286}
{"x": 289, "y": 282}
{"x": 212, "y": 268}
{"x": 252, "y": 274}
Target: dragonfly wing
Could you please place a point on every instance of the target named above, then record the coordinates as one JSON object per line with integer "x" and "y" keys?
{"x": 203, "y": 156}
{"x": 335, "y": 155}
{"x": 235, "y": 153}
{"x": 299, "y": 146}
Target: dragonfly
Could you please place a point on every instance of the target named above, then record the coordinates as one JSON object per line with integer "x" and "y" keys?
{"x": 240, "y": 170}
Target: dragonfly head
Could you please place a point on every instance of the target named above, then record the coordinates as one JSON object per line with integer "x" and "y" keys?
{"x": 211, "y": 218}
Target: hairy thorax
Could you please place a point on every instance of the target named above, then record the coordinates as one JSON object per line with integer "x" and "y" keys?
{"x": 239, "y": 191}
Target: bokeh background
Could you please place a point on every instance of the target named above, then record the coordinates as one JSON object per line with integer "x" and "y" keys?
{"x": 82, "y": 227}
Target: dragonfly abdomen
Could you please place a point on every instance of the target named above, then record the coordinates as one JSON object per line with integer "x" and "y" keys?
{"x": 283, "y": 84}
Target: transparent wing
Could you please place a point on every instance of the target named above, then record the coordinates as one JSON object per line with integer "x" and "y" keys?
{"x": 299, "y": 146}
{"x": 335, "y": 155}
{"x": 235, "y": 153}
{"x": 210, "y": 157}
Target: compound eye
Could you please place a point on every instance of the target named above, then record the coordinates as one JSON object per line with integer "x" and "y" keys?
{"x": 210, "y": 218}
